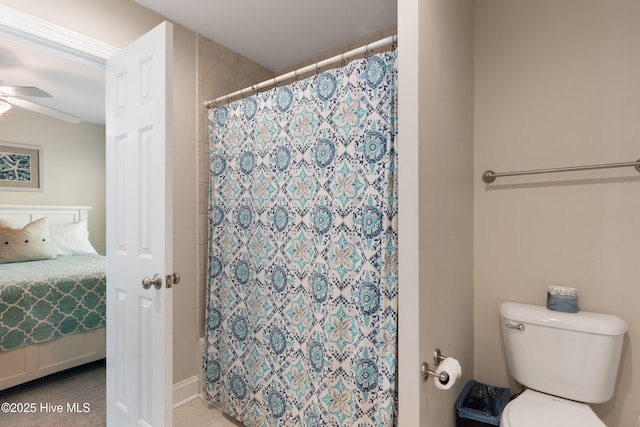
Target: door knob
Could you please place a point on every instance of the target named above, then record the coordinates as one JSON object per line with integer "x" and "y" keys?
{"x": 155, "y": 281}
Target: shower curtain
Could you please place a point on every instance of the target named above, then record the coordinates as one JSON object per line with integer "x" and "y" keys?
{"x": 302, "y": 294}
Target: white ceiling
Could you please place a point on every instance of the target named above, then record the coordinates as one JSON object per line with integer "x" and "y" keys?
{"x": 75, "y": 88}
{"x": 276, "y": 33}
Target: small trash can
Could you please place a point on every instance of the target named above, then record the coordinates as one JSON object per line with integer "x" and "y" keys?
{"x": 480, "y": 405}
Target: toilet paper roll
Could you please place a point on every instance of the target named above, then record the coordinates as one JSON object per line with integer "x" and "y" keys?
{"x": 452, "y": 368}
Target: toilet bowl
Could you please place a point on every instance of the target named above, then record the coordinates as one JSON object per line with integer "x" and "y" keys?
{"x": 535, "y": 409}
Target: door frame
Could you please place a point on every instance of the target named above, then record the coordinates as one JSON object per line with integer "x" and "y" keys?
{"x": 54, "y": 39}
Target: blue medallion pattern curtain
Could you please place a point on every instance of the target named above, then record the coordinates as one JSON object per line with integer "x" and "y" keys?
{"x": 302, "y": 294}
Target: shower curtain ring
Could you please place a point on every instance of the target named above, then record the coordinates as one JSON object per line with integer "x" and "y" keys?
{"x": 342, "y": 60}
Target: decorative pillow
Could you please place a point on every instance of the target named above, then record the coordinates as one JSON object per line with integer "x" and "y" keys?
{"x": 6, "y": 224}
{"x": 30, "y": 243}
{"x": 71, "y": 239}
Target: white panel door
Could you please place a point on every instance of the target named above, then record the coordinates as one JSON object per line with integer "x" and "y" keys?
{"x": 139, "y": 234}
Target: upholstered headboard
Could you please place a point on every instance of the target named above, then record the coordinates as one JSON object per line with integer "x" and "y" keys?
{"x": 21, "y": 215}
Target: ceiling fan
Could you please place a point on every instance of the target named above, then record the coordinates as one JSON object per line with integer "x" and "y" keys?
{"x": 14, "y": 96}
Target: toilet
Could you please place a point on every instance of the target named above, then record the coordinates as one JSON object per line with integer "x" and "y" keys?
{"x": 566, "y": 361}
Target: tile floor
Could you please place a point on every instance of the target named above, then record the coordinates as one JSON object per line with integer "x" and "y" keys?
{"x": 198, "y": 413}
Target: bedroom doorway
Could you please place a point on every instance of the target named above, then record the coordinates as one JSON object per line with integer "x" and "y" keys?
{"x": 165, "y": 364}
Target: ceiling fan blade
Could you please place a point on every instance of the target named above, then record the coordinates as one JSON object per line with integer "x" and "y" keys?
{"x": 22, "y": 91}
{"x": 32, "y": 106}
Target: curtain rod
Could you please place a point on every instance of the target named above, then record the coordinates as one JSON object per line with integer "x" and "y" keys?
{"x": 315, "y": 68}
{"x": 489, "y": 176}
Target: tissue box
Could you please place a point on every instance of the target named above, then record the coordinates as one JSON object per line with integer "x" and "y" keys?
{"x": 562, "y": 298}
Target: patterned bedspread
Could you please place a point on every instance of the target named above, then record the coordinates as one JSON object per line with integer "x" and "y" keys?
{"x": 42, "y": 300}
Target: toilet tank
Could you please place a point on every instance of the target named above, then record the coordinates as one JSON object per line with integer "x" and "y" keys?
{"x": 570, "y": 355}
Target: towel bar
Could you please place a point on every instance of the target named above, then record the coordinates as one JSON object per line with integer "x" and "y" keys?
{"x": 490, "y": 176}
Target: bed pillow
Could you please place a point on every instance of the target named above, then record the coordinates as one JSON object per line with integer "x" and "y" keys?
{"x": 71, "y": 239}
{"x": 30, "y": 243}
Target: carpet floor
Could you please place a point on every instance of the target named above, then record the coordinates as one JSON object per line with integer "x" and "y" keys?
{"x": 73, "y": 398}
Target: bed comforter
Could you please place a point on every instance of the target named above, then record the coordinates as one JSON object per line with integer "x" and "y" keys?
{"x": 43, "y": 300}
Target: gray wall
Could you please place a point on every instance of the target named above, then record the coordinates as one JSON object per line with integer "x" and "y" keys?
{"x": 558, "y": 84}
{"x": 446, "y": 194}
{"x": 436, "y": 201}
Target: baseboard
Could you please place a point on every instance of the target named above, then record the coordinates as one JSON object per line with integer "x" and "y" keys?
{"x": 201, "y": 380}
{"x": 185, "y": 391}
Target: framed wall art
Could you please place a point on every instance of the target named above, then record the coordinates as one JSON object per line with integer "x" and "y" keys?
{"x": 20, "y": 167}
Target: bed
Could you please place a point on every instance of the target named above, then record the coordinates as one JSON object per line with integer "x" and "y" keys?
{"x": 52, "y": 308}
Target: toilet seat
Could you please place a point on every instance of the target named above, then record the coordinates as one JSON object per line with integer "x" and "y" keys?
{"x": 535, "y": 409}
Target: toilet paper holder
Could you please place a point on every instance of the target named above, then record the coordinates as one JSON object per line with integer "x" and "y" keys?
{"x": 427, "y": 372}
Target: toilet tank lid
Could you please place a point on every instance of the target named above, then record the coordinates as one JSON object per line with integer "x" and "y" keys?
{"x": 584, "y": 321}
